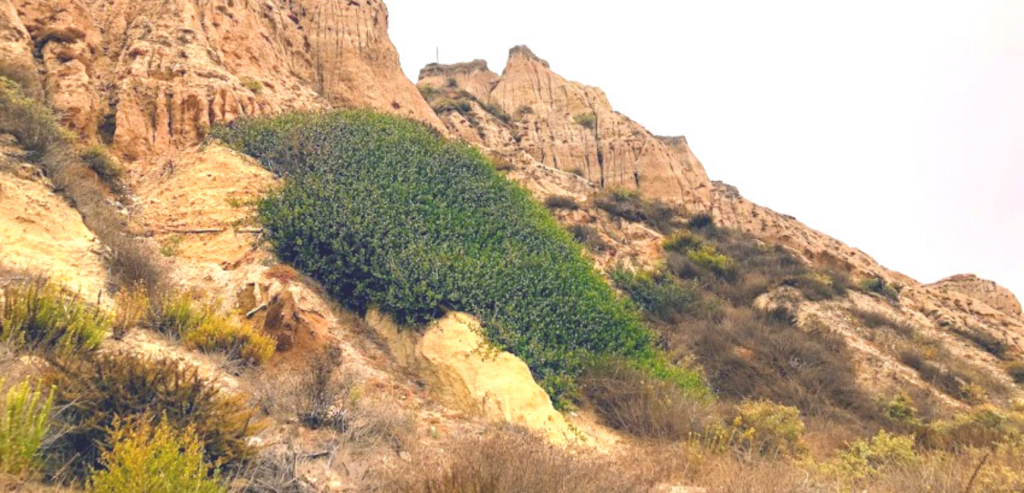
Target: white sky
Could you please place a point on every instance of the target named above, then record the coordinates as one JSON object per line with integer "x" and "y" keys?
{"x": 896, "y": 126}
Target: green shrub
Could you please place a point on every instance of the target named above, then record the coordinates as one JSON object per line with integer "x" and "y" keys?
{"x": 682, "y": 242}
{"x": 983, "y": 426}
{"x": 701, "y": 221}
{"x": 1016, "y": 371}
{"x": 447, "y": 232}
{"x": 561, "y": 202}
{"x": 656, "y": 292}
{"x": 770, "y": 428}
{"x": 97, "y": 390}
{"x": 878, "y": 286}
{"x": 41, "y": 315}
{"x": 105, "y": 166}
{"x": 200, "y": 327}
{"x": 586, "y": 120}
{"x": 238, "y": 341}
{"x": 253, "y": 85}
{"x": 708, "y": 258}
{"x": 153, "y": 459}
{"x": 901, "y": 410}
{"x": 23, "y": 425}
{"x": 178, "y": 313}
{"x": 866, "y": 459}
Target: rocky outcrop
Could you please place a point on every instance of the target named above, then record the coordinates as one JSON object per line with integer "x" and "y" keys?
{"x": 989, "y": 292}
{"x": 453, "y": 358}
{"x": 572, "y": 127}
{"x": 152, "y": 76}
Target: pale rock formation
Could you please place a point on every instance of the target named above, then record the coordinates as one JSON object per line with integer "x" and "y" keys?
{"x": 991, "y": 293}
{"x": 41, "y": 233}
{"x": 452, "y": 356}
{"x": 152, "y": 76}
{"x": 474, "y": 77}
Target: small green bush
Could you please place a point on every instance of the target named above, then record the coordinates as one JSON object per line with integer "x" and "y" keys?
{"x": 253, "y": 85}
{"x": 770, "y": 428}
{"x": 200, "y": 327}
{"x": 901, "y": 410}
{"x": 24, "y": 422}
{"x": 1016, "y": 371}
{"x": 106, "y": 167}
{"x": 983, "y": 426}
{"x": 701, "y": 221}
{"x": 708, "y": 258}
{"x": 41, "y": 315}
{"x": 586, "y": 120}
{"x": 879, "y": 286}
{"x": 682, "y": 242}
{"x": 867, "y": 459}
{"x": 154, "y": 459}
{"x": 561, "y": 202}
{"x": 656, "y": 292}
{"x": 97, "y": 390}
{"x": 447, "y": 232}
{"x": 238, "y": 341}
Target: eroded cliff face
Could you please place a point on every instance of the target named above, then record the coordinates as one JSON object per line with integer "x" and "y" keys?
{"x": 150, "y": 77}
{"x": 548, "y": 143}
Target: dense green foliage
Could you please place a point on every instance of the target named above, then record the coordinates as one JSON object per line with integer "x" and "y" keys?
{"x": 384, "y": 212}
{"x": 154, "y": 459}
{"x": 24, "y": 422}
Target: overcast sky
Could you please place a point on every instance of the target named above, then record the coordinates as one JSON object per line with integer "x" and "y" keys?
{"x": 894, "y": 126}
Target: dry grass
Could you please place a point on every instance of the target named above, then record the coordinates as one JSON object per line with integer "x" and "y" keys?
{"x": 630, "y": 400}
{"x": 749, "y": 355}
{"x": 510, "y": 460}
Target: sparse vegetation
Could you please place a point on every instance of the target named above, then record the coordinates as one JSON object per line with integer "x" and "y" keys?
{"x": 564, "y": 202}
{"x": 984, "y": 340}
{"x": 40, "y": 315}
{"x": 1016, "y": 371}
{"x": 37, "y": 130}
{"x": 201, "y": 327}
{"x": 509, "y": 460}
{"x": 628, "y": 399}
{"x": 105, "y": 166}
{"x": 320, "y": 391}
{"x": 880, "y": 287}
{"x": 152, "y": 458}
{"x": 449, "y": 232}
{"x": 98, "y": 390}
{"x": 586, "y": 120}
{"x": 24, "y": 423}
{"x": 130, "y": 307}
{"x": 631, "y": 206}
{"x": 589, "y": 237}
{"x": 254, "y": 86}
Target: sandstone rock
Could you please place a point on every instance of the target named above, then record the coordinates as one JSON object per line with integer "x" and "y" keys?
{"x": 42, "y": 233}
{"x": 989, "y": 292}
{"x": 152, "y": 76}
{"x": 456, "y": 363}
